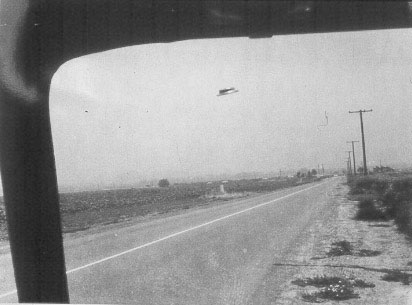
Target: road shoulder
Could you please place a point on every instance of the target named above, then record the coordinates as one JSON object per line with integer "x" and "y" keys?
{"x": 311, "y": 260}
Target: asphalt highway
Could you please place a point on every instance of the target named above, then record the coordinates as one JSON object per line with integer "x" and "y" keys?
{"x": 214, "y": 255}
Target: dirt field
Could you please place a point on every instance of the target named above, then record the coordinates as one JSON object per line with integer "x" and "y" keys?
{"x": 83, "y": 210}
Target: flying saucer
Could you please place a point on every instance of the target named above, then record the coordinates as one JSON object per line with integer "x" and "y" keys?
{"x": 227, "y": 91}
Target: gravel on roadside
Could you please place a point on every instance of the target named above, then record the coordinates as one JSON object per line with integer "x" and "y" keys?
{"x": 390, "y": 249}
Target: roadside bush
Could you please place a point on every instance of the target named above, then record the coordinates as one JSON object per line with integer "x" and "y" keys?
{"x": 368, "y": 211}
{"x": 380, "y": 186}
{"x": 361, "y": 185}
{"x": 398, "y": 203}
{"x": 384, "y": 198}
{"x": 403, "y": 216}
{"x": 403, "y": 189}
{"x": 389, "y": 200}
{"x": 369, "y": 185}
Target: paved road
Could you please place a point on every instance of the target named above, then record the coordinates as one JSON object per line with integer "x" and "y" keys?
{"x": 216, "y": 255}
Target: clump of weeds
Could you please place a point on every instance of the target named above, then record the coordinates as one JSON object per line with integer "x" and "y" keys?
{"x": 397, "y": 276}
{"x": 344, "y": 247}
{"x": 318, "y": 281}
{"x": 365, "y": 252}
{"x": 339, "y": 248}
{"x": 331, "y": 288}
{"x": 333, "y": 293}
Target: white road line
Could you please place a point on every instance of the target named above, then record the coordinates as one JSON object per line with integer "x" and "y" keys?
{"x": 178, "y": 233}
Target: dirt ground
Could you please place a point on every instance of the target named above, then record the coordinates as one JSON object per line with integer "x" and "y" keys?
{"x": 312, "y": 260}
{"x": 82, "y": 211}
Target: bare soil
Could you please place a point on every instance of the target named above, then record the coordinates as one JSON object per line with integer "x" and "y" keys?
{"x": 82, "y": 211}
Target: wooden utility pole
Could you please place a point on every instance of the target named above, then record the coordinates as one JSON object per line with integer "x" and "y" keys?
{"x": 350, "y": 166}
{"x": 365, "y": 169}
{"x": 353, "y": 155}
{"x": 347, "y": 167}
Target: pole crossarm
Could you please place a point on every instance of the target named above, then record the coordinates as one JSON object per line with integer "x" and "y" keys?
{"x": 370, "y": 110}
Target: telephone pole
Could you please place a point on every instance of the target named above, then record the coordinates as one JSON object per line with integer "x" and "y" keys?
{"x": 365, "y": 169}
{"x": 353, "y": 155}
{"x": 349, "y": 164}
{"x": 347, "y": 167}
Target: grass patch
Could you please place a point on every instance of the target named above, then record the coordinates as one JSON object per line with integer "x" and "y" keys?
{"x": 397, "y": 276}
{"x": 331, "y": 288}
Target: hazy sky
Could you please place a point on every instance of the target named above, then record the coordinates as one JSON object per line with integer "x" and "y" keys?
{"x": 151, "y": 111}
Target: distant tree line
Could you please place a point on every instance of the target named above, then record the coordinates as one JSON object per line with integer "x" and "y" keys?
{"x": 310, "y": 173}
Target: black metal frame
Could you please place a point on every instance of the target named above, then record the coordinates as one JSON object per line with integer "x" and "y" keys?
{"x": 37, "y": 36}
